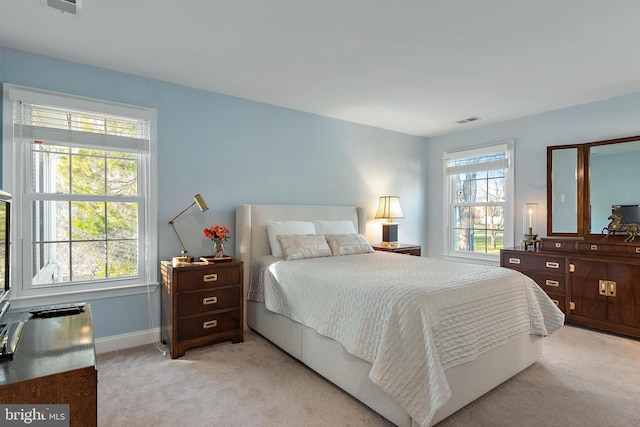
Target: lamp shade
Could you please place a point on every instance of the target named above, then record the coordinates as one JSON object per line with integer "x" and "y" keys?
{"x": 389, "y": 207}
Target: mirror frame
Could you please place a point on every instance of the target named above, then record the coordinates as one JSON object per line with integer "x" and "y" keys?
{"x": 579, "y": 190}
{"x": 583, "y": 184}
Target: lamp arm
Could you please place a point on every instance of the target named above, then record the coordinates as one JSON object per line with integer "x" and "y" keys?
{"x": 184, "y": 210}
{"x": 184, "y": 250}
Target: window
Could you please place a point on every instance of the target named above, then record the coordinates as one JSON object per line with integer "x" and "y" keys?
{"x": 478, "y": 204}
{"x": 84, "y": 197}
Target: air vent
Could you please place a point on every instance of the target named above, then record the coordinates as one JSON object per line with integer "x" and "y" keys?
{"x": 68, "y": 6}
{"x": 470, "y": 119}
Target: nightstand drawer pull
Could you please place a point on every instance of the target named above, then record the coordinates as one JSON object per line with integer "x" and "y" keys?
{"x": 550, "y": 264}
{"x": 210, "y": 324}
{"x": 556, "y": 302}
{"x": 552, "y": 283}
{"x": 514, "y": 260}
{"x": 210, "y": 277}
{"x": 209, "y": 300}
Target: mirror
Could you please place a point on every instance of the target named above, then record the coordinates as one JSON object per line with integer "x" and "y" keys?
{"x": 585, "y": 180}
{"x": 613, "y": 180}
{"x": 564, "y": 190}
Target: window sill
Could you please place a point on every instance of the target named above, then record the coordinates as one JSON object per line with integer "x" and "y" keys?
{"x": 474, "y": 258}
{"x": 26, "y": 301}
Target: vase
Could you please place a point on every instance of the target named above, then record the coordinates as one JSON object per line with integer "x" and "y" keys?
{"x": 218, "y": 250}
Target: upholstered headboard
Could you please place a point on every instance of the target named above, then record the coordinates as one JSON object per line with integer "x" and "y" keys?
{"x": 251, "y": 226}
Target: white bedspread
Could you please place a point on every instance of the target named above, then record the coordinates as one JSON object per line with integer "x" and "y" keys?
{"x": 411, "y": 317}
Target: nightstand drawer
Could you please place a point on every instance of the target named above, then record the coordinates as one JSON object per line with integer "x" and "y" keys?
{"x": 191, "y": 280}
{"x": 210, "y": 324}
{"x": 211, "y": 300}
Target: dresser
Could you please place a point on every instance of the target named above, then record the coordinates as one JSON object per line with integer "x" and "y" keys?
{"x": 548, "y": 270}
{"x": 201, "y": 304}
{"x": 54, "y": 363}
{"x": 595, "y": 283}
{"x": 400, "y": 248}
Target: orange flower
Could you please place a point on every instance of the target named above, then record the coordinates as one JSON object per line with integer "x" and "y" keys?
{"x": 217, "y": 233}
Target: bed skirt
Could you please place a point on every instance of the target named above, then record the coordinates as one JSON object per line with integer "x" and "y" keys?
{"x": 328, "y": 358}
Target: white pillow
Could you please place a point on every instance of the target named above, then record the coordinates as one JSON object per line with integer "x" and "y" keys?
{"x": 277, "y": 228}
{"x": 301, "y": 246}
{"x": 334, "y": 227}
{"x": 348, "y": 244}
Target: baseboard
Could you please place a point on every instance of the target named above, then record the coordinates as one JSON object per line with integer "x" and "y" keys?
{"x": 133, "y": 339}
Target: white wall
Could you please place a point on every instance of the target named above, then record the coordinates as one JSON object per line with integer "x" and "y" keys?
{"x": 612, "y": 118}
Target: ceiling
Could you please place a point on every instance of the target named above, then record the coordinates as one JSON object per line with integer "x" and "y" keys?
{"x": 413, "y": 66}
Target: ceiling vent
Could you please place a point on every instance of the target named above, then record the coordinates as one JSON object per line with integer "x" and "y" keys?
{"x": 470, "y": 119}
{"x": 68, "y": 6}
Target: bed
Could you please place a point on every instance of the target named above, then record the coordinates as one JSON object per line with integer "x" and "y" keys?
{"x": 410, "y": 364}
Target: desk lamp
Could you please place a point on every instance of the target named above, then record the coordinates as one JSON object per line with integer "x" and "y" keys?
{"x": 197, "y": 200}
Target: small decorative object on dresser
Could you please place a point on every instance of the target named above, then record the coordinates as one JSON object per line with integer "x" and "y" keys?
{"x": 202, "y": 303}
{"x": 400, "y": 248}
{"x": 219, "y": 234}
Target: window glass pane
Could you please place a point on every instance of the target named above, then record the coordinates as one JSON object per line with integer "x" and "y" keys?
{"x": 51, "y": 221}
{"x": 88, "y": 221}
{"x": 88, "y": 260}
{"x": 495, "y": 187}
{"x": 50, "y": 168}
{"x": 122, "y": 177}
{"x": 88, "y": 172}
{"x": 122, "y": 220}
{"x": 122, "y": 257}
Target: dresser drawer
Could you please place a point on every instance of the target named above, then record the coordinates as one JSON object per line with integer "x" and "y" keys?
{"x": 209, "y": 300}
{"x": 521, "y": 261}
{"x": 208, "y": 324}
{"x": 191, "y": 280}
{"x": 548, "y": 282}
{"x": 558, "y": 245}
{"x": 558, "y": 300}
{"x": 609, "y": 249}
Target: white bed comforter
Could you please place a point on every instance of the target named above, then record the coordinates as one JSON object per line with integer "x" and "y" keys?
{"x": 410, "y": 317}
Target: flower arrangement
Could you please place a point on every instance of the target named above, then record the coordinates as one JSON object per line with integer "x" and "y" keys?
{"x": 217, "y": 233}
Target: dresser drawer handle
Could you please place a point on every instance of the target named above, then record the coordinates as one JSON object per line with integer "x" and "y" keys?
{"x": 210, "y": 277}
{"x": 514, "y": 260}
{"x": 556, "y": 302}
{"x": 550, "y": 264}
{"x": 209, "y": 324}
{"x": 552, "y": 283}
{"x": 209, "y": 300}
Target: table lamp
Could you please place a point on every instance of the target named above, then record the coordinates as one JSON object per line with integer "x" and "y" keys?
{"x": 389, "y": 208}
{"x": 197, "y": 200}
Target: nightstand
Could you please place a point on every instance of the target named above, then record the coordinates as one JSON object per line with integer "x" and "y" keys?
{"x": 401, "y": 248}
{"x": 201, "y": 304}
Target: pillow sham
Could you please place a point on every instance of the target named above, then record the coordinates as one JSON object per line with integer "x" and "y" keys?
{"x": 301, "y": 246}
{"x": 334, "y": 227}
{"x": 275, "y": 228}
{"x": 348, "y": 244}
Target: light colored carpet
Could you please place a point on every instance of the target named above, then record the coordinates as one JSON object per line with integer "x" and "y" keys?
{"x": 584, "y": 378}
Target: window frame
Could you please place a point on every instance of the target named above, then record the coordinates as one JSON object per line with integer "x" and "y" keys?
{"x": 16, "y": 182}
{"x": 509, "y": 201}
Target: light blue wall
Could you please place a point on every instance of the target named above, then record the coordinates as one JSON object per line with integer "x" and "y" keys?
{"x": 612, "y": 118}
{"x": 235, "y": 151}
